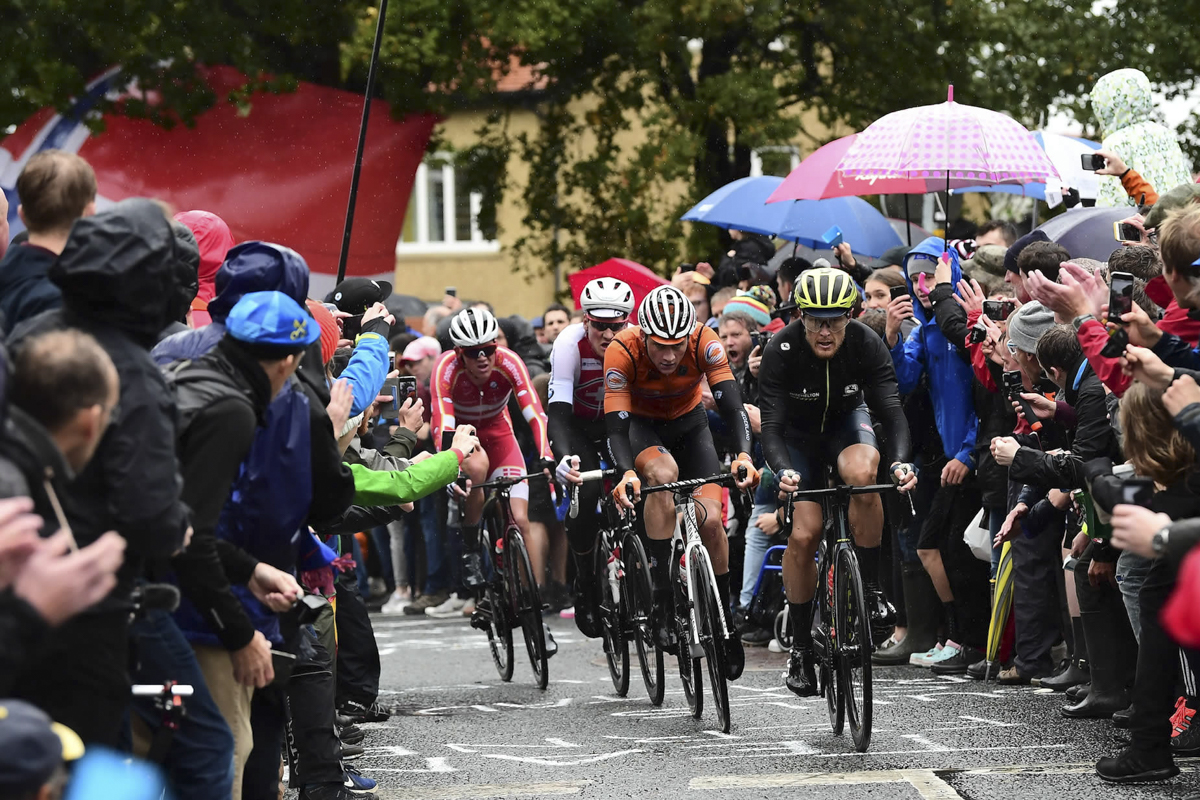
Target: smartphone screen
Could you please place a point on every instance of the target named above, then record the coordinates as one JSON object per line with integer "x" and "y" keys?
{"x": 998, "y": 310}
{"x": 1092, "y": 162}
{"x": 406, "y": 387}
{"x": 1120, "y": 296}
{"x": 1137, "y": 492}
{"x": 1126, "y": 232}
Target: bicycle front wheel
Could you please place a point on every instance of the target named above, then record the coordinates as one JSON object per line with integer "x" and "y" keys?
{"x": 640, "y": 606}
{"x": 689, "y": 668}
{"x": 495, "y": 611}
{"x": 712, "y": 639}
{"x": 613, "y": 591}
{"x": 854, "y": 647}
{"x": 528, "y": 606}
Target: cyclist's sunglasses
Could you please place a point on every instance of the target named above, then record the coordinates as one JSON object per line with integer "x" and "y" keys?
{"x": 473, "y": 353}
{"x": 616, "y": 327}
{"x": 835, "y": 324}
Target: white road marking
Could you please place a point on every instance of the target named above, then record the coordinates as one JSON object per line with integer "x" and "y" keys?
{"x": 574, "y": 762}
{"x": 929, "y": 785}
{"x": 432, "y": 765}
{"x": 472, "y": 791}
{"x": 550, "y": 744}
{"x": 917, "y": 738}
{"x": 993, "y": 722}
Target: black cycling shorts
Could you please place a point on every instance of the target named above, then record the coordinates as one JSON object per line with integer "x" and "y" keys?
{"x": 812, "y": 453}
{"x": 686, "y": 438}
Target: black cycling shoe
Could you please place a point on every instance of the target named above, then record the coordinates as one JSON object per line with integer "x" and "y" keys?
{"x": 587, "y": 611}
{"x": 664, "y": 621}
{"x": 735, "y": 658}
{"x": 802, "y": 673}
{"x": 472, "y": 565}
{"x": 551, "y": 645}
{"x": 481, "y": 617}
{"x": 881, "y": 611}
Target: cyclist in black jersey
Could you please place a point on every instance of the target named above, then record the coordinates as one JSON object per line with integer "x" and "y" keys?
{"x": 821, "y": 379}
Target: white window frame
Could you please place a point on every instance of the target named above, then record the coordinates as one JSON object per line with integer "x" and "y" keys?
{"x": 756, "y": 158}
{"x": 422, "y": 246}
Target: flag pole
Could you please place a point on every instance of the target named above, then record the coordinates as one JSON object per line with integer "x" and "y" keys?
{"x": 362, "y": 141}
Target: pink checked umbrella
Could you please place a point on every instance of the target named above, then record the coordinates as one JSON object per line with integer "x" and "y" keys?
{"x": 948, "y": 146}
{"x": 817, "y": 178}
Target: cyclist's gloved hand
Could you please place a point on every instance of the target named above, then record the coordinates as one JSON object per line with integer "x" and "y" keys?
{"x": 789, "y": 481}
{"x": 744, "y": 461}
{"x": 567, "y": 470}
{"x": 630, "y": 478}
{"x": 904, "y": 475}
{"x": 545, "y": 465}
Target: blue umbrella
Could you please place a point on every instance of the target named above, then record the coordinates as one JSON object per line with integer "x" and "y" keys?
{"x": 1064, "y": 152}
{"x": 742, "y": 205}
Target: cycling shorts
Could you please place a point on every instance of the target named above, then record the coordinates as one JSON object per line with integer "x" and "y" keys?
{"x": 504, "y": 456}
{"x": 686, "y": 438}
{"x": 812, "y": 453}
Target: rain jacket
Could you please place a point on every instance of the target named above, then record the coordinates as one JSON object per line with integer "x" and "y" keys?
{"x": 116, "y": 275}
{"x": 215, "y": 240}
{"x": 1122, "y": 102}
{"x": 25, "y": 289}
{"x": 950, "y": 376}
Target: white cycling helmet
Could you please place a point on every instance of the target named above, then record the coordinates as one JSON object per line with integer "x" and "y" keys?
{"x": 473, "y": 326}
{"x": 607, "y": 298}
{"x": 667, "y": 315}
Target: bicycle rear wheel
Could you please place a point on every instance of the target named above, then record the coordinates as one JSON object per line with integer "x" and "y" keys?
{"x": 528, "y": 606}
{"x": 641, "y": 616}
{"x": 496, "y": 613}
{"x": 854, "y": 647}
{"x": 708, "y": 612}
{"x": 835, "y": 695}
{"x": 613, "y": 612}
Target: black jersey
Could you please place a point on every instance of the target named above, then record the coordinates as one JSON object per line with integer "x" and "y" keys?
{"x": 802, "y": 395}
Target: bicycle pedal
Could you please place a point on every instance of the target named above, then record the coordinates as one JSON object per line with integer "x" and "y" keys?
{"x": 696, "y": 650}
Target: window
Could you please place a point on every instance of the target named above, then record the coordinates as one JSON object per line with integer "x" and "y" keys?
{"x": 776, "y": 160}
{"x": 439, "y": 218}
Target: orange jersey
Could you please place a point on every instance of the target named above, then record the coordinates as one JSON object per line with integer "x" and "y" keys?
{"x": 631, "y": 383}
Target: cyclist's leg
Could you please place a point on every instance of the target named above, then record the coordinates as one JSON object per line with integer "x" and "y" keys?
{"x": 656, "y": 466}
{"x": 582, "y": 530}
{"x": 800, "y": 569}
{"x": 476, "y": 468}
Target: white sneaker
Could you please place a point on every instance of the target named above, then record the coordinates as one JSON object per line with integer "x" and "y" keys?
{"x": 397, "y": 602}
{"x": 451, "y": 608}
{"x": 775, "y": 647}
{"x": 922, "y": 659}
{"x": 468, "y": 608}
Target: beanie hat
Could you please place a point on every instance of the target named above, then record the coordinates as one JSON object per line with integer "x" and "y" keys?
{"x": 329, "y": 329}
{"x": 1027, "y": 325}
{"x": 1010, "y": 258}
{"x": 745, "y": 304}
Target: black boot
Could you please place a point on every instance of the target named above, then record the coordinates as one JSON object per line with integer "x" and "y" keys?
{"x": 921, "y": 606}
{"x": 1077, "y": 669}
{"x": 1108, "y": 694}
{"x": 1076, "y": 693}
{"x": 1137, "y": 766}
{"x": 587, "y": 595}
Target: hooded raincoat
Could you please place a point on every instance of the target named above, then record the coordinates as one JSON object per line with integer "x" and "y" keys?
{"x": 1123, "y": 103}
{"x": 950, "y": 375}
{"x": 215, "y": 240}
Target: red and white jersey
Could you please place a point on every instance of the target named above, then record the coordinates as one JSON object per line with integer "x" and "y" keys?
{"x": 457, "y": 400}
{"x": 577, "y": 373}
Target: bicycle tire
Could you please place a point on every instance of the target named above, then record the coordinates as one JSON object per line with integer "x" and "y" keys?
{"x": 528, "y": 607}
{"x": 612, "y": 617}
{"x": 708, "y": 612}
{"x": 499, "y": 631}
{"x": 641, "y": 617}
{"x": 854, "y": 645}
{"x": 835, "y": 697}
{"x": 689, "y": 668}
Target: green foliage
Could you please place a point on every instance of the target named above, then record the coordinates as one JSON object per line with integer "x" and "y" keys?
{"x": 643, "y": 106}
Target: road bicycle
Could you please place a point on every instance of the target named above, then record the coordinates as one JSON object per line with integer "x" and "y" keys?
{"x": 841, "y": 624}
{"x": 700, "y": 623}
{"x": 509, "y": 597}
{"x": 626, "y": 595}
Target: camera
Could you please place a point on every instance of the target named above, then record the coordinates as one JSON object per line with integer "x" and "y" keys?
{"x": 999, "y": 310}
{"x": 1137, "y": 492}
{"x": 760, "y": 339}
{"x": 976, "y": 335}
{"x": 1092, "y": 162}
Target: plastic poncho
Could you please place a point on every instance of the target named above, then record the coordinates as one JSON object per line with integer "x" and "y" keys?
{"x": 1123, "y": 104}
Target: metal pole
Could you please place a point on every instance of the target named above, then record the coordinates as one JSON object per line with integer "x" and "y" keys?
{"x": 362, "y": 141}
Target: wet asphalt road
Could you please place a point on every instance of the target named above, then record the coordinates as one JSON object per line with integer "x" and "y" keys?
{"x": 459, "y": 732}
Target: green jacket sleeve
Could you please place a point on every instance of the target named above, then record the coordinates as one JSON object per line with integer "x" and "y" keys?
{"x": 387, "y": 488}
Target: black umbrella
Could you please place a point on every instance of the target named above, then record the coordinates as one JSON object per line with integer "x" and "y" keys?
{"x": 1087, "y": 232}
{"x": 405, "y": 305}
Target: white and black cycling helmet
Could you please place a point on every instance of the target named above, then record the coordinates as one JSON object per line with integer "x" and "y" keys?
{"x": 607, "y": 298}
{"x": 472, "y": 327}
{"x": 667, "y": 315}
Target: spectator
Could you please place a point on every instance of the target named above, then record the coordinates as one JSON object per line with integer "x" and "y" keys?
{"x": 4, "y": 229}
{"x": 695, "y": 286}
{"x": 122, "y": 298}
{"x": 56, "y": 188}
{"x": 187, "y": 280}
{"x": 433, "y": 316}
{"x": 34, "y": 753}
{"x": 996, "y": 231}
{"x": 1123, "y": 103}
{"x": 539, "y": 329}
{"x": 785, "y": 279}
{"x": 1012, "y": 273}
{"x": 554, "y": 319}
{"x": 720, "y": 298}
{"x": 214, "y": 241}
{"x": 745, "y": 248}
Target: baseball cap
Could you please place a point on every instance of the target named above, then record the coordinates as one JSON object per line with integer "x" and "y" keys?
{"x": 272, "y": 319}
{"x": 538, "y": 323}
{"x": 356, "y": 295}
{"x": 32, "y": 747}
{"x": 421, "y": 348}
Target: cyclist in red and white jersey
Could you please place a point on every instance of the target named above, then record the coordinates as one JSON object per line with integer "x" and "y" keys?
{"x": 472, "y": 384}
{"x": 576, "y": 417}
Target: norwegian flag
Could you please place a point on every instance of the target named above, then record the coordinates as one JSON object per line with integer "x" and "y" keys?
{"x": 280, "y": 173}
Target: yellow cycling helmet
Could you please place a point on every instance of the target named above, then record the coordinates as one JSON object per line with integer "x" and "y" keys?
{"x": 825, "y": 292}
